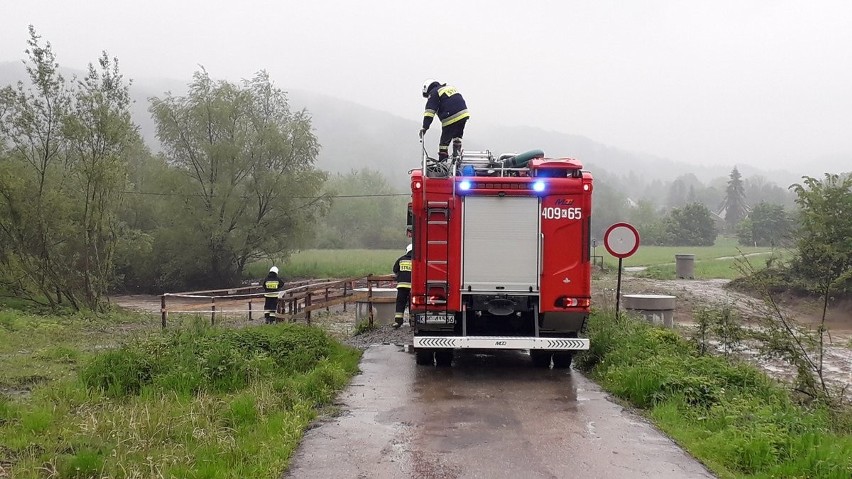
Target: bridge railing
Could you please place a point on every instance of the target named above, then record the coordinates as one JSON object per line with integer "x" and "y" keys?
{"x": 296, "y": 300}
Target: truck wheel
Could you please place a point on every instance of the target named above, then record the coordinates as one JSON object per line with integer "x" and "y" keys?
{"x": 540, "y": 359}
{"x": 562, "y": 360}
{"x": 444, "y": 357}
{"x": 424, "y": 357}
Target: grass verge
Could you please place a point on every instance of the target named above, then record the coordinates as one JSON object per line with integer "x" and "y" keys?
{"x": 727, "y": 414}
{"x": 199, "y": 402}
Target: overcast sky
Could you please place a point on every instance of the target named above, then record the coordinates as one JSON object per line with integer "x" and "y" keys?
{"x": 763, "y": 82}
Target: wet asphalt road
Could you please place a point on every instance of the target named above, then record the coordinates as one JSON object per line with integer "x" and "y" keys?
{"x": 488, "y": 416}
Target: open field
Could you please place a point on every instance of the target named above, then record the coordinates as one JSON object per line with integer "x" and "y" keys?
{"x": 715, "y": 261}
{"x": 711, "y": 262}
{"x": 657, "y": 255}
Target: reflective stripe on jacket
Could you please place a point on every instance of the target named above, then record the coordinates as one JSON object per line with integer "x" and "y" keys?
{"x": 271, "y": 287}
{"x": 446, "y": 102}
{"x": 402, "y": 270}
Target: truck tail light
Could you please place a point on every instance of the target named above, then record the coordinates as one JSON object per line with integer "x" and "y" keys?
{"x": 567, "y": 302}
{"x": 430, "y": 299}
{"x": 437, "y": 299}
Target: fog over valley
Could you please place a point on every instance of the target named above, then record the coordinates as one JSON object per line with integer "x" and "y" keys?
{"x": 684, "y": 86}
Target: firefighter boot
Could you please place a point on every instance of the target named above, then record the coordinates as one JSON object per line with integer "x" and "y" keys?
{"x": 442, "y": 153}
{"x": 397, "y": 322}
{"x": 457, "y": 149}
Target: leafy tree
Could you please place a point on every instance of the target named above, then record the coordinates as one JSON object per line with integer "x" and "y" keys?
{"x": 758, "y": 189}
{"x": 648, "y": 220}
{"x": 691, "y": 225}
{"x": 249, "y": 177}
{"x": 823, "y": 263}
{"x": 366, "y": 213}
{"x": 824, "y": 239}
{"x": 151, "y": 189}
{"x": 651, "y": 193}
{"x": 766, "y": 225}
{"x": 34, "y": 224}
{"x": 609, "y": 205}
{"x": 101, "y": 137}
{"x": 734, "y": 205}
{"x": 677, "y": 196}
{"x": 683, "y": 190}
{"x": 62, "y": 178}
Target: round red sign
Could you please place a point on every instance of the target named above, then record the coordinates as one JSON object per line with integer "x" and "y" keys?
{"x": 621, "y": 240}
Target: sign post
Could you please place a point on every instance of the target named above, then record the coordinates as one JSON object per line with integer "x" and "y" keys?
{"x": 621, "y": 240}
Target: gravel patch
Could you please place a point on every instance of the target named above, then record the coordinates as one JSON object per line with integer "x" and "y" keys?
{"x": 382, "y": 335}
{"x": 342, "y": 326}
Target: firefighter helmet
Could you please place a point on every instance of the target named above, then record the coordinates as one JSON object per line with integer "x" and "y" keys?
{"x": 408, "y": 248}
{"x": 428, "y": 85}
{"x": 274, "y": 269}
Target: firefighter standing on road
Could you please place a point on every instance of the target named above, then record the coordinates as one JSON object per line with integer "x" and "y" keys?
{"x": 446, "y": 102}
{"x": 402, "y": 271}
{"x": 271, "y": 285}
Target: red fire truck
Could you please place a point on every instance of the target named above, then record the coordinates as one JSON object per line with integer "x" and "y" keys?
{"x": 501, "y": 256}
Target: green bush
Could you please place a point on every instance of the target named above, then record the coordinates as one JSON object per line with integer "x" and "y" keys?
{"x": 119, "y": 372}
{"x": 207, "y": 359}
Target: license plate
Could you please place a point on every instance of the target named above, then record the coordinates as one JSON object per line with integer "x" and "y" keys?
{"x": 436, "y": 318}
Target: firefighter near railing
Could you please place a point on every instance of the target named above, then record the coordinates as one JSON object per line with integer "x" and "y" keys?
{"x": 296, "y": 300}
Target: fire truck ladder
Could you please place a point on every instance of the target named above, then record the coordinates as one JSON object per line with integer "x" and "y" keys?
{"x": 438, "y": 247}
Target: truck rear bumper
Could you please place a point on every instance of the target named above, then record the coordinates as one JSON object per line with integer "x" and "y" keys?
{"x": 497, "y": 342}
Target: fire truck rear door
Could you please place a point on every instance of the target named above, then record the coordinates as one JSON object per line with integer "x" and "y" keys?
{"x": 500, "y": 239}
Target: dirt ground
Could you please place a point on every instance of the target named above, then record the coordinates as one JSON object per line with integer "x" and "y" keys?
{"x": 691, "y": 295}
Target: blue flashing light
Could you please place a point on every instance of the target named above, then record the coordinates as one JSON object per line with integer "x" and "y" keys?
{"x": 464, "y": 185}
{"x": 538, "y": 186}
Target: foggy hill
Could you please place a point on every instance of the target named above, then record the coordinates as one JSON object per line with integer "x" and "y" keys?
{"x": 354, "y": 136}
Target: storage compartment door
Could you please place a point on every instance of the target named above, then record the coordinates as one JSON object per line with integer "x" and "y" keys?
{"x": 501, "y": 244}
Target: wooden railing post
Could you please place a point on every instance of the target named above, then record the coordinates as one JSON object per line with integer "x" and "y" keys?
{"x": 307, "y": 306}
{"x": 213, "y": 311}
{"x": 163, "y": 312}
{"x": 370, "y": 299}
{"x": 250, "y": 318}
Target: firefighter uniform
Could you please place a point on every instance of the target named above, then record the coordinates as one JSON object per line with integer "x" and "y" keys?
{"x": 446, "y": 102}
{"x": 402, "y": 271}
{"x": 271, "y": 285}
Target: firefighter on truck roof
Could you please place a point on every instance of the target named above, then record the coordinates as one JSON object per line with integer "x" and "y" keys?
{"x": 402, "y": 271}
{"x": 446, "y": 102}
{"x": 271, "y": 285}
